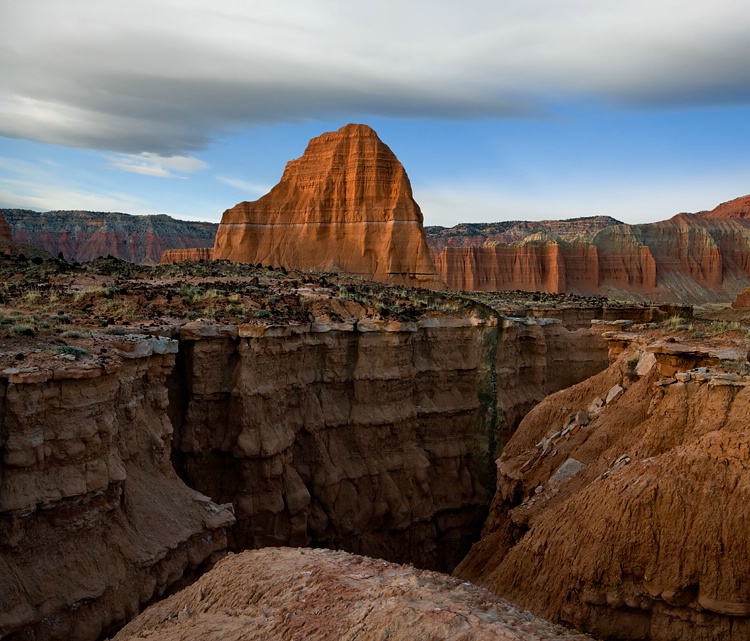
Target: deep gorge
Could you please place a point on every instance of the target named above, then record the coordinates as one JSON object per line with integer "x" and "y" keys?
{"x": 376, "y": 437}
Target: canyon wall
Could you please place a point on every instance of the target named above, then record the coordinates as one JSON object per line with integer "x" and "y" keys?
{"x": 690, "y": 258}
{"x": 376, "y": 438}
{"x": 94, "y": 522}
{"x": 345, "y": 206}
{"x": 178, "y": 255}
{"x": 513, "y": 231}
{"x": 621, "y": 502}
{"x": 86, "y": 235}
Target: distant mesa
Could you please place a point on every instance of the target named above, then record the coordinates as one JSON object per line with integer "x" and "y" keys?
{"x": 86, "y": 235}
{"x": 737, "y": 208}
{"x": 345, "y": 206}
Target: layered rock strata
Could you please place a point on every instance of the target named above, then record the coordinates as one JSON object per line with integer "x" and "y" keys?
{"x": 376, "y": 437}
{"x": 86, "y": 235}
{"x": 689, "y": 258}
{"x": 178, "y": 255}
{"x": 321, "y": 595}
{"x": 621, "y": 501}
{"x": 513, "y": 231}
{"x": 94, "y": 522}
{"x": 345, "y": 206}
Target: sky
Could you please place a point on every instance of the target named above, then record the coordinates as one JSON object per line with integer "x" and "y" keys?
{"x": 498, "y": 109}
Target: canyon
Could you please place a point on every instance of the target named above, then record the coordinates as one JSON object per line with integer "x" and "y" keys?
{"x": 266, "y": 436}
{"x": 134, "y": 457}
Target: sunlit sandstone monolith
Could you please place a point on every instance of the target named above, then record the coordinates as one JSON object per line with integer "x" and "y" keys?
{"x": 345, "y": 206}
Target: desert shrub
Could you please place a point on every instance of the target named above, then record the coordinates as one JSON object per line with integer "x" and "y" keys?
{"x": 115, "y": 331}
{"x": 71, "y": 350}
{"x": 23, "y": 330}
{"x": 74, "y": 333}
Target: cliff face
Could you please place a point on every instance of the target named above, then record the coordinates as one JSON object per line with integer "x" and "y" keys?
{"x": 513, "y": 231}
{"x": 621, "y": 501}
{"x": 178, "y": 255}
{"x": 376, "y": 439}
{"x": 85, "y": 235}
{"x": 94, "y": 522}
{"x": 345, "y": 205}
{"x": 689, "y": 258}
{"x": 6, "y": 237}
{"x": 320, "y": 595}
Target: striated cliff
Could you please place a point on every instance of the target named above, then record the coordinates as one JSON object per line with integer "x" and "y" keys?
{"x": 690, "y": 258}
{"x": 621, "y": 501}
{"x": 345, "y": 206}
{"x": 86, "y": 235}
{"x": 375, "y": 437}
{"x": 177, "y": 255}
{"x": 513, "y": 231}
{"x": 94, "y": 522}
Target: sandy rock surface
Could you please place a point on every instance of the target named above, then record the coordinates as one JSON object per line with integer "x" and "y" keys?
{"x": 622, "y": 501}
{"x": 286, "y": 594}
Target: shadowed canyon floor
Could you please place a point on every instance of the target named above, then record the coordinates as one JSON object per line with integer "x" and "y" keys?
{"x": 153, "y": 417}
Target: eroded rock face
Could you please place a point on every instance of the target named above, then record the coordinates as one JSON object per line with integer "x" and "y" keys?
{"x": 6, "y": 237}
{"x": 178, "y": 255}
{"x": 345, "y": 206}
{"x": 94, "y": 522}
{"x": 621, "y": 502}
{"x": 321, "y": 595}
{"x": 376, "y": 438}
{"x": 689, "y": 258}
{"x": 743, "y": 299}
{"x": 86, "y": 235}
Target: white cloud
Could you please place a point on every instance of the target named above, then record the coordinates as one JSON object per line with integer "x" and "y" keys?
{"x": 244, "y": 185}
{"x": 166, "y": 77}
{"x": 149, "y": 164}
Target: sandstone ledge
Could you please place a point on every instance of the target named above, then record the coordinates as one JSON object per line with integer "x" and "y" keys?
{"x": 323, "y": 595}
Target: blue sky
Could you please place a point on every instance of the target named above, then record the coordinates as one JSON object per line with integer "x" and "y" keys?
{"x": 498, "y": 110}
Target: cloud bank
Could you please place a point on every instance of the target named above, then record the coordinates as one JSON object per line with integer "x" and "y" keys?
{"x": 166, "y": 77}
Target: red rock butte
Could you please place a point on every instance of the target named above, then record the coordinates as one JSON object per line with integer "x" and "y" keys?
{"x": 345, "y": 206}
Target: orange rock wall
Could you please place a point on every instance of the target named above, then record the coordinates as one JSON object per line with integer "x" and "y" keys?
{"x": 689, "y": 258}
{"x": 178, "y": 255}
{"x": 346, "y": 205}
{"x": 620, "y": 504}
{"x": 743, "y": 299}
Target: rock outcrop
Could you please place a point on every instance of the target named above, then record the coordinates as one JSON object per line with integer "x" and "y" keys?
{"x": 6, "y": 238}
{"x": 178, "y": 255}
{"x": 94, "y": 522}
{"x": 345, "y": 206}
{"x": 86, "y": 235}
{"x": 621, "y": 501}
{"x": 737, "y": 208}
{"x": 514, "y": 231}
{"x": 743, "y": 299}
{"x": 690, "y": 258}
{"x": 321, "y": 595}
{"x": 376, "y": 438}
